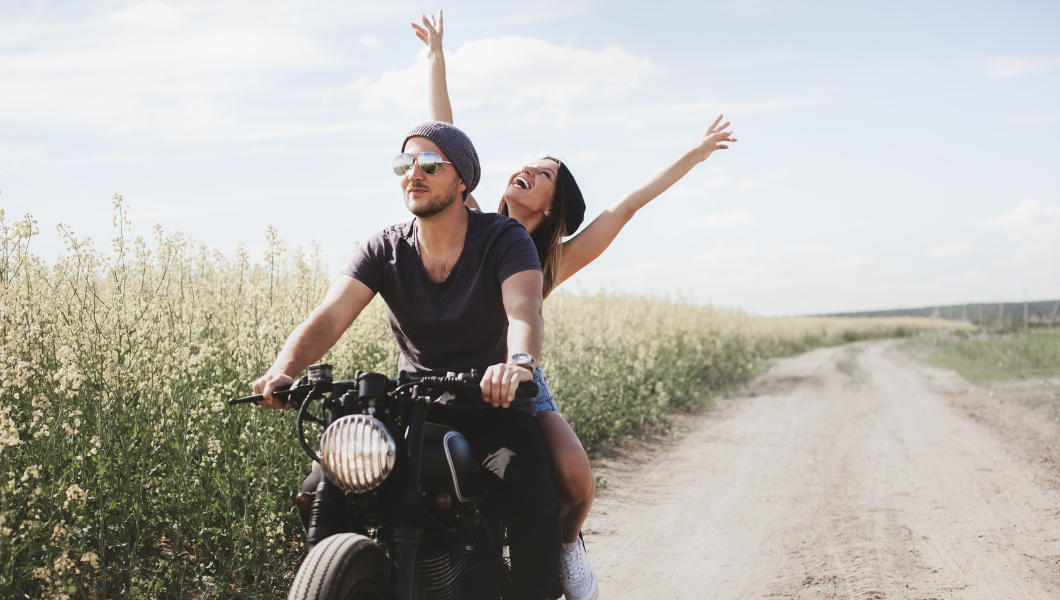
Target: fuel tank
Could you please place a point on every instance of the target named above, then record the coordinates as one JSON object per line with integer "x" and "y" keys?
{"x": 449, "y": 466}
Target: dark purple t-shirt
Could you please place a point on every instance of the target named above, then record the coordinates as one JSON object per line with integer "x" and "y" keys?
{"x": 458, "y": 324}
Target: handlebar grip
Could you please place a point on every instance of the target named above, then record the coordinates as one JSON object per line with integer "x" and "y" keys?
{"x": 280, "y": 394}
{"x": 527, "y": 389}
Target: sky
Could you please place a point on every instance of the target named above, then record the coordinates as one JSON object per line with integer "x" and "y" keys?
{"x": 890, "y": 154}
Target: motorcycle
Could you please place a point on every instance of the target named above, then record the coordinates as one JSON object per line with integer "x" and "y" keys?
{"x": 402, "y": 510}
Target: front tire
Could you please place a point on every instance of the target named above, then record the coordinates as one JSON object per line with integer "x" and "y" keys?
{"x": 345, "y": 566}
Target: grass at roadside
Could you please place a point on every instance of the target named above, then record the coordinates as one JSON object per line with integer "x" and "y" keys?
{"x": 986, "y": 354}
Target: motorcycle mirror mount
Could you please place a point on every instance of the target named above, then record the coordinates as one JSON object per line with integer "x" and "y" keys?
{"x": 318, "y": 373}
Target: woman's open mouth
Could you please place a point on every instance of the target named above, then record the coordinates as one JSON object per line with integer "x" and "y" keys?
{"x": 521, "y": 182}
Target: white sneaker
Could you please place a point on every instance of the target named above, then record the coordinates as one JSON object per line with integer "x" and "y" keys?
{"x": 577, "y": 575}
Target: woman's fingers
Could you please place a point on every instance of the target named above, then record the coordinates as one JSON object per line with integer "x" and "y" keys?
{"x": 421, "y": 34}
{"x": 714, "y": 125}
{"x": 434, "y": 24}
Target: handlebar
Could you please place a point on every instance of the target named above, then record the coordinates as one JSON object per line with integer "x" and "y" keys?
{"x": 279, "y": 394}
{"x": 462, "y": 384}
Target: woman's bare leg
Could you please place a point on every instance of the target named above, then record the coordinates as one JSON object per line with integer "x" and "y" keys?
{"x": 572, "y": 479}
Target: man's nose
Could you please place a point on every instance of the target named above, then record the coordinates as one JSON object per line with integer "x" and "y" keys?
{"x": 414, "y": 173}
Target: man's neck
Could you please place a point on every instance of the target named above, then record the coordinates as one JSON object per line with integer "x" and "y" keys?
{"x": 440, "y": 239}
{"x": 443, "y": 230}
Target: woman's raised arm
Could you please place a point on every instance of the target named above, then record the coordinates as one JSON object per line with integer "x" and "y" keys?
{"x": 438, "y": 91}
{"x": 583, "y": 248}
{"x": 431, "y": 34}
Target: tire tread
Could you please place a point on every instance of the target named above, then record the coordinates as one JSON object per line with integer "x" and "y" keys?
{"x": 321, "y": 574}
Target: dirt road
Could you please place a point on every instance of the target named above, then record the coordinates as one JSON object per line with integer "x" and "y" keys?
{"x": 851, "y": 472}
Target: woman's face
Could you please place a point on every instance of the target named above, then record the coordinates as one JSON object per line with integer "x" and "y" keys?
{"x": 530, "y": 190}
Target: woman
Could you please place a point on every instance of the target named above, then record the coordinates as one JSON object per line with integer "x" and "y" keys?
{"x": 545, "y": 199}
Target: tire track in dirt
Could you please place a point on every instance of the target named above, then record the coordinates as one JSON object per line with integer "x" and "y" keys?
{"x": 817, "y": 482}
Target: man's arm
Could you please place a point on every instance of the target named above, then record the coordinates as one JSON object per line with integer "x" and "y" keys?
{"x": 315, "y": 336}
{"x": 522, "y": 303}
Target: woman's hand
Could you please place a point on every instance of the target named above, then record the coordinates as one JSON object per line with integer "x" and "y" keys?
{"x": 431, "y": 33}
{"x": 714, "y": 138}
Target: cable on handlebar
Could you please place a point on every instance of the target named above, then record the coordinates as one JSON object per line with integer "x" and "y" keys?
{"x": 302, "y": 411}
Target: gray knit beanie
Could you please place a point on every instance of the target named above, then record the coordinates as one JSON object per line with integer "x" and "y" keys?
{"x": 456, "y": 146}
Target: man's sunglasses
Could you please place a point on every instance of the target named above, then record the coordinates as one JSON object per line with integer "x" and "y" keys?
{"x": 430, "y": 163}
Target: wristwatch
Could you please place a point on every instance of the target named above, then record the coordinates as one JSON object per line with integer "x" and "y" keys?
{"x": 523, "y": 359}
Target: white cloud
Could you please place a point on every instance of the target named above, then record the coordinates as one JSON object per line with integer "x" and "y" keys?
{"x": 152, "y": 13}
{"x": 949, "y": 250}
{"x": 217, "y": 76}
{"x": 1015, "y": 67}
{"x": 719, "y": 177}
{"x": 368, "y": 41}
{"x": 740, "y": 218}
{"x": 962, "y": 278}
{"x": 1029, "y": 221}
{"x": 846, "y": 265}
{"x": 1039, "y": 120}
{"x": 803, "y": 249}
{"x": 155, "y": 211}
{"x": 723, "y": 106}
{"x": 12, "y": 158}
{"x": 511, "y": 71}
{"x": 786, "y": 279}
{"x": 748, "y": 8}
{"x": 1036, "y": 228}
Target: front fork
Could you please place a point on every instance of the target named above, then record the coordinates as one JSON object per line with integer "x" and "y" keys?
{"x": 327, "y": 512}
{"x": 408, "y": 516}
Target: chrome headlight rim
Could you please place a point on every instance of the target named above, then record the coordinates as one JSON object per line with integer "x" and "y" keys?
{"x": 357, "y": 453}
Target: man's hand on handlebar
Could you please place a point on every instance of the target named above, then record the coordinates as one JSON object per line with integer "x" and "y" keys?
{"x": 500, "y": 382}
{"x": 267, "y": 384}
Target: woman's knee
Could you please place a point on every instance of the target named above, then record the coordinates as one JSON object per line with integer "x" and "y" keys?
{"x": 574, "y": 480}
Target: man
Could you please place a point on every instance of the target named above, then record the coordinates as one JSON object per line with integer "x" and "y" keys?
{"x": 463, "y": 291}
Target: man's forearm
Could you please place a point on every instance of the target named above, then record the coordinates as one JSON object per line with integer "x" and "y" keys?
{"x": 306, "y": 345}
{"x": 526, "y": 334}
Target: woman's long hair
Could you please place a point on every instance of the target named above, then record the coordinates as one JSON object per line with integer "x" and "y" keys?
{"x": 553, "y": 229}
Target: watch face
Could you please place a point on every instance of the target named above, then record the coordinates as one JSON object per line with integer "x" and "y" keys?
{"x": 522, "y": 358}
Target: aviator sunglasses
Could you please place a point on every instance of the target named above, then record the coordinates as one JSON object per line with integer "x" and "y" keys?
{"x": 430, "y": 163}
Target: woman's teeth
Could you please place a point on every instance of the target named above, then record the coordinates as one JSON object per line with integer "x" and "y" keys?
{"x": 519, "y": 181}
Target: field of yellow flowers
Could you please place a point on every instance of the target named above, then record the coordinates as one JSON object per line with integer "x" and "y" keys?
{"x": 124, "y": 474}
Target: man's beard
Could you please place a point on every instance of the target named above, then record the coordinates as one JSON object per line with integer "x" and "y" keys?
{"x": 436, "y": 204}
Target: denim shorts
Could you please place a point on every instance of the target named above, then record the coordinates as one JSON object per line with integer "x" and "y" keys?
{"x": 545, "y": 399}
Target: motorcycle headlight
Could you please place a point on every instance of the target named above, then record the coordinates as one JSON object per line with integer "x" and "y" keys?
{"x": 357, "y": 453}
